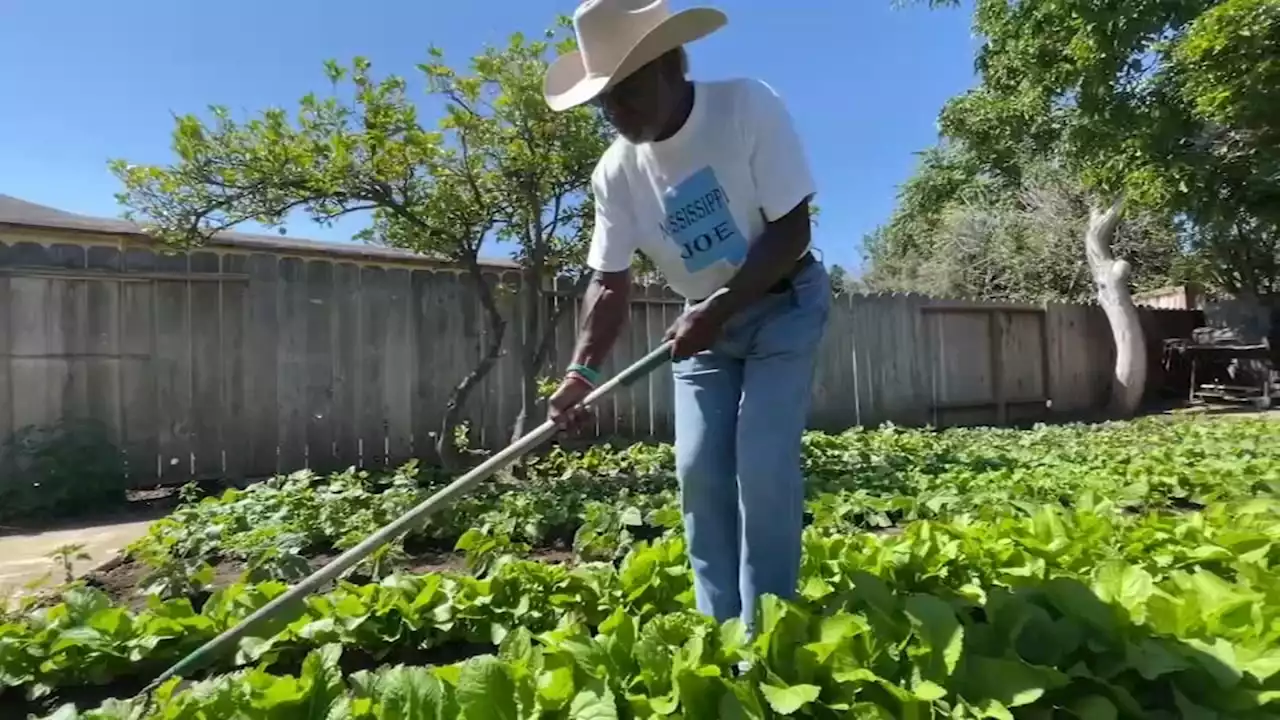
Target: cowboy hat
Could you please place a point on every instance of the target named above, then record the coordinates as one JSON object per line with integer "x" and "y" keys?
{"x": 616, "y": 38}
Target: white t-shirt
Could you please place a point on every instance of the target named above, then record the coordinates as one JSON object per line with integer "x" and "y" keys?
{"x": 694, "y": 202}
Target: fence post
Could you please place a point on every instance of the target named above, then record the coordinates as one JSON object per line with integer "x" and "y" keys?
{"x": 997, "y": 320}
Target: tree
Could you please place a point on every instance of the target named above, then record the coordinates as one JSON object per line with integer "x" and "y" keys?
{"x": 1224, "y": 72}
{"x": 841, "y": 283}
{"x": 499, "y": 164}
{"x": 961, "y": 232}
{"x": 539, "y": 163}
{"x": 1080, "y": 83}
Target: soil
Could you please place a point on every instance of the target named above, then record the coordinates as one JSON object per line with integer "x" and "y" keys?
{"x": 120, "y": 578}
{"x": 141, "y": 505}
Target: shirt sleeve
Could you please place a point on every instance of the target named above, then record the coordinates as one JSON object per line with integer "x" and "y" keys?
{"x": 613, "y": 239}
{"x": 779, "y": 165}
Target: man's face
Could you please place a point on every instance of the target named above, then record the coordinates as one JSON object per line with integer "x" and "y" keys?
{"x": 641, "y": 104}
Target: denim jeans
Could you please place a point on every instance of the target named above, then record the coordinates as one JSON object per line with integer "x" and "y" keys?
{"x": 740, "y": 411}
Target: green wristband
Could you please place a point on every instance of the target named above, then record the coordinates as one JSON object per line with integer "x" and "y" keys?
{"x": 592, "y": 376}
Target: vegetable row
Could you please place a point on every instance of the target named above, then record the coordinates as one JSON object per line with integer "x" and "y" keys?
{"x": 1085, "y": 611}
{"x": 600, "y": 501}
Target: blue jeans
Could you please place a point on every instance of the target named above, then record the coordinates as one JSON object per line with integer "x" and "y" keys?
{"x": 740, "y": 410}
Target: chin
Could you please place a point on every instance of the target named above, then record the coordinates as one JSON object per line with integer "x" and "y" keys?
{"x": 635, "y": 136}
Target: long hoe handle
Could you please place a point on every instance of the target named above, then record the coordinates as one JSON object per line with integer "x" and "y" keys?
{"x": 440, "y": 500}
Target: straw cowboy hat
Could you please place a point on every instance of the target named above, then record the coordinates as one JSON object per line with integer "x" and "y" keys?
{"x": 616, "y": 38}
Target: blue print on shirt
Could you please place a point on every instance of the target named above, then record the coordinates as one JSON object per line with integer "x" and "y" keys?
{"x": 698, "y": 221}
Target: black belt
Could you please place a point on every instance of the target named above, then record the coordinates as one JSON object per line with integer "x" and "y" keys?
{"x": 784, "y": 285}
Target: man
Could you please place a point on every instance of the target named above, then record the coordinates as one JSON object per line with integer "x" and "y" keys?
{"x": 710, "y": 181}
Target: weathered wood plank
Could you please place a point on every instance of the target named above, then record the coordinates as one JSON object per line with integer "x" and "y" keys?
{"x": 318, "y": 367}
{"x": 964, "y": 357}
{"x": 620, "y": 401}
{"x": 291, "y": 365}
{"x": 1072, "y": 379}
{"x": 430, "y": 384}
{"x": 208, "y": 409}
{"x": 566, "y": 341}
{"x": 469, "y": 325}
{"x": 831, "y": 396}
{"x": 861, "y": 353}
{"x": 443, "y": 323}
{"x": 1022, "y": 356}
{"x": 346, "y": 364}
{"x": 103, "y": 350}
{"x": 233, "y": 357}
{"x": 72, "y": 368}
{"x": 173, "y": 371}
{"x": 261, "y": 398}
{"x": 663, "y": 398}
{"x": 996, "y": 327}
{"x": 139, "y": 416}
{"x": 373, "y": 350}
{"x": 638, "y": 401}
{"x": 480, "y": 405}
{"x": 501, "y": 390}
{"x": 31, "y": 348}
{"x": 399, "y": 358}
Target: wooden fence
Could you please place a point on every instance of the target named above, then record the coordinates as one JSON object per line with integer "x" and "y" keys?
{"x": 243, "y": 361}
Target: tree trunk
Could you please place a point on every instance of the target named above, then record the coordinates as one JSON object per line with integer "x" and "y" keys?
{"x": 1111, "y": 276}
{"x": 445, "y": 447}
{"x": 532, "y": 364}
{"x": 531, "y": 294}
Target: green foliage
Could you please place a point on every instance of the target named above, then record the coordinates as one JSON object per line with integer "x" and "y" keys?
{"x": 1123, "y": 570}
{"x": 603, "y": 500}
{"x": 498, "y": 164}
{"x": 1149, "y": 617}
{"x": 1168, "y": 104}
{"x": 1228, "y": 63}
{"x": 959, "y": 231}
{"x": 63, "y": 470}
{"x": 1226, "y": 71}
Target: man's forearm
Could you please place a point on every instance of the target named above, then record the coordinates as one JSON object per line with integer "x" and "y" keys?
{"x": 604, "y": 312}
{"x": 769, "y": 259}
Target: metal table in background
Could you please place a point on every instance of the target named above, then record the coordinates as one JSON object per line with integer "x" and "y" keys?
{"x": 1218, "y": 359}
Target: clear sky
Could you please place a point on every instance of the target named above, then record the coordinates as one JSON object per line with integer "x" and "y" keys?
{"x": 82, "y": 82}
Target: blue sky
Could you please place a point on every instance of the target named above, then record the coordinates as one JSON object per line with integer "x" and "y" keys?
{"x": 84, "y": 82}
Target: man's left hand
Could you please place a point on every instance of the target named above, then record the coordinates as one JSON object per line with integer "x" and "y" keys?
{"x": 696, "y": 330}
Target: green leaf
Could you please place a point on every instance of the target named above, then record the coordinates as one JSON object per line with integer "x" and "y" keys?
{"x": 595, "y": 701}
{"x": 1010, "y": 682}
{"x": 555, "y": 685}
{"x": 786, "y": 700}
{"x": 939, "y": 630}
{"x": 410, "y": 693}
{"x": 1094, "y": 707}
{"x": 485, "y": 690}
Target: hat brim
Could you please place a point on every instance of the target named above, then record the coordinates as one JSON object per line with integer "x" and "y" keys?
{"x": 567, "y": 84}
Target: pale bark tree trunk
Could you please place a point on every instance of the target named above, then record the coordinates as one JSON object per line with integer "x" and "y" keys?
{"x": 1111, "y": 276}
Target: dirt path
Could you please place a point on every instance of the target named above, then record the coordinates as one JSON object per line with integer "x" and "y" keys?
{"x": 25, "y": 558}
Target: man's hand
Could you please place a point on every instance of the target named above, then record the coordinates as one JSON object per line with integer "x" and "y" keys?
{"x": 564, "y": 405}
{"x": 696, "y": 330}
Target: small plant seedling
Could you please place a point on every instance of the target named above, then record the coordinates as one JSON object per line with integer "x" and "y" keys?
{"x": 65, "y": 557}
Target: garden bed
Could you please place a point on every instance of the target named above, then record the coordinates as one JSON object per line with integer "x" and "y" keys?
{"x": 1122, "y": 570}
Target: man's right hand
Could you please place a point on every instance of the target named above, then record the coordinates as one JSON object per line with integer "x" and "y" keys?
{"x": 565, "y": 404}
